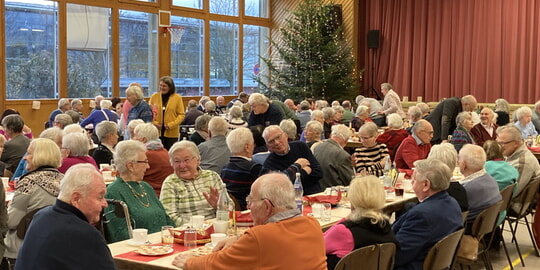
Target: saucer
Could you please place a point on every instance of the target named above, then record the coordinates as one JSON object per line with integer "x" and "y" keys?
{"x": 209, "y": 245}
{"x": 132, "y": 242}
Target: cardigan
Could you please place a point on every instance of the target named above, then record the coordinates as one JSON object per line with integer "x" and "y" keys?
{"x": 172, "y": 115}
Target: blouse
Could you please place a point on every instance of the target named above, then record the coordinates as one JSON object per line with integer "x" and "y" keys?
{"x": 369, "y": 159}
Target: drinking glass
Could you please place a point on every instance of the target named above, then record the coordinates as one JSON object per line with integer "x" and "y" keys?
{"x": 167, "y": 238}
{"x": 190, "y": 238}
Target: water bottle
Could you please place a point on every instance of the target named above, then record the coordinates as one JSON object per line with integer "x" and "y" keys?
{"x": 223, "y": 205}
{"x": 298, "y": 192}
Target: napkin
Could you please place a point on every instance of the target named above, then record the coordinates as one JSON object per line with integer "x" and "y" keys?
{"x": 332, "y": 199}
{"x": 534, "y": 149}
{"x": 243, "y": 219}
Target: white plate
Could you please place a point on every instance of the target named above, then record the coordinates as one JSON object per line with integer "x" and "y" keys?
{"x": 209, "y": 245}
{"x": 131, "y": 242}
{"x": 154, "y": 250}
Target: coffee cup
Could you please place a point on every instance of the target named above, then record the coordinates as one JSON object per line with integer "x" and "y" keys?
{"x": 197, "y": 221}
{"x": 221, "y": 226}
{"x": 140, "y": 236}
{"x": 217, "y": 237}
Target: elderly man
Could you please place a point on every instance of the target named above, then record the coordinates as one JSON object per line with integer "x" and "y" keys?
{"x": 291, "y": 158}
{"x": 241, "y": 171}
{"x": 214, "y": 151}
{"x": 414, "y": 114}
{"x": 304, "y": 115}
{"x": 336, "y": 163}
{"x": 486, "y": 129}
{"x": 414, "y": 147}
{"x": 63, "y": 106}
{"x": 482, "y": 189}
{"x": 262, "y": 112}
{"x": 424, "y": 107}
{"x": 16, "y": 147}
{"x": 192, "y": 113}
{"x": 243, "y": 97}
{"x": 517, "y": 155}
{"x": 281, "y": 239}
{"x": 443, "y": 117}
{"x": 62, "y": 120}
{"x": 73, "y": 242}
{"x": 77, "y": 106}
{"x": 436, "y": 216}
{"x": 347, "y": 114}
{"x": 291, "y": 105}
{"x": 374, "y": 106}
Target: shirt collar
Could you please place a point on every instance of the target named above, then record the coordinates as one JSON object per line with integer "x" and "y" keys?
{"x": 283, "y": 215}
{"x": 418, "y": 141}
{"x": 473, "y": 176}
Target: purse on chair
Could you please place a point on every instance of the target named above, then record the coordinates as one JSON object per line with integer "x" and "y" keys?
{"x": 468, "y": 248}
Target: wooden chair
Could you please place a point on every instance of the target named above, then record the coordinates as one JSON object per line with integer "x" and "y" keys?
{"x": 373, "y": 257}
{"x": 524, "y": 200}
{"x": 483, "y": 224}
{"x": 443, "y": 253}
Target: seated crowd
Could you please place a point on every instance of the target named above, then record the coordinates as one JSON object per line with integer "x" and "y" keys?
{"x": 255, "y": 147}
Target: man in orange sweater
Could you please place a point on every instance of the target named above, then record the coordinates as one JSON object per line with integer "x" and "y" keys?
{"x": 281, "y": 239}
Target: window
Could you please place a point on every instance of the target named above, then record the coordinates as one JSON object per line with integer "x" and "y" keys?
{"x": 187, "y": 57}
{"x": 256, "y": 8}
{"x": 255, "y": 45}
{"x": 138, "y": 50}
{"x": 224, "y": 7}
{"x": 198, "y": 4}
{"x": 31, "y": 54}
{"x": 223, "y": 58}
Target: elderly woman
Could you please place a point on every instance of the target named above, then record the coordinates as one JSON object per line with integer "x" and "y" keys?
{"x": 15, "y": 148}
{"x": 318, "y": 116}
{"x": 362, "y": 116}
{"x": 190, "y": 190}
{"x": 338, "y": 114}
{"x": 235, "y": 118}
{"x": 35, "y": 190}
{"x": 107, "y": 133}
{"x": 371, "y": 157}
{"x": 241, "y": 171}
{"x": 97, "y": 116}
{"x": 524, "y": 123}
{"x": 210, "y": 108}
{"x": 201, "y": 129}
{"x": 170, "y": 111}
{"x": 289, "y": 127}
{"x": 395, "y": 133}
{"x": 27, "y": 131}
{"x": 145, "y": 209}
{"x": 313, "y": 132}
{"x": 496, "y": 166}
{"x": 158, "y": 157}
{"x": 365, "y": 225}
{"x": 502, "y": 109}
{"x": 462, "y": 135}
{"x": 447, "y": 153}
{"x": 328, "y": 114}
{"x": 391, "y": 102}
{"x": 75, "y": 151}
{"x": 139, "y": 108}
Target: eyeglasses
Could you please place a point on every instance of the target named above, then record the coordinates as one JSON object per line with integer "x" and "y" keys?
{"x": 272, "y": 141}
{"x": 503, "y": 143}
{"x": 250, "y": 201}
{"x": 365, "y": 138}
{"x": 185, "y": 161}
{"x": 140, "y": 161}
{"x": 428, "y": 132}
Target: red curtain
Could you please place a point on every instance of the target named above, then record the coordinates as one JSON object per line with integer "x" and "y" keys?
{"x": 443, "y": 48}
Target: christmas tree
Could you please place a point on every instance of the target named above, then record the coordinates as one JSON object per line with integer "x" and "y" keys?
{"x": 312, "y": 58}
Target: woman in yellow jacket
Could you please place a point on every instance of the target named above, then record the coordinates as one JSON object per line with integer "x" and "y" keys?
{"x": 168, "y": 111}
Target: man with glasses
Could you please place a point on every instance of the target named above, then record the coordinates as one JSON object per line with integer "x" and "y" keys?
{"x": 290, "y": 158}
{"x": 416, "y": 146}
{"x": 281, "y": 239}
{"x": 517, "y": 155}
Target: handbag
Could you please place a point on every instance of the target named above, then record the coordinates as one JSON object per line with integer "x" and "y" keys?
{"x": 468, "y": 248}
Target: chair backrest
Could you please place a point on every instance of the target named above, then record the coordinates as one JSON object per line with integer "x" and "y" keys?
{"x": 23, "y": 225}
{"x": 464, "y": 216}
{"x": 120, "y": 210}
{"x": 506, "y": 195}
{"x": 443, "y": 253}
{"x": 485, "y": 222}
{"x": 526, "y": 197}
{"x": 373, "y": 257}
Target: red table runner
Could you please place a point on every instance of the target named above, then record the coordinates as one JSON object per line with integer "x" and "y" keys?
{"x": 132, "y": 255}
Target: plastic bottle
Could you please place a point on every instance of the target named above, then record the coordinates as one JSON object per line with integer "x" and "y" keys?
{"x": 298, "y": 192}
{"x": 223, "y": 204}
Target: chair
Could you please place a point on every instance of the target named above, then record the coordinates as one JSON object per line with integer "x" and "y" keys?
{"x": 443, "y": 253}
{"x": 483, "y": 224}
{"x": 373, "y": 257}
{"x": 24, "y": 224}
{"x": 524, "y": 200}
{"x": 120, "y": 210}
{"x": 506, "y": 195}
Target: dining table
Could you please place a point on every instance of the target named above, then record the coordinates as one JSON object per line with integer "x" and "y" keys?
{"x": 125, "y": 257}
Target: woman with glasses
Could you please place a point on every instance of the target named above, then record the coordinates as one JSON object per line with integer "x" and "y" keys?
{"x": 371, "y": 157}
{"x": 190, "y": 190}
{"x": 145, "y": 209}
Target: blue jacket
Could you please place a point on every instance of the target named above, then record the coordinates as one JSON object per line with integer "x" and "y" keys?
{"x": 422, "y": 226}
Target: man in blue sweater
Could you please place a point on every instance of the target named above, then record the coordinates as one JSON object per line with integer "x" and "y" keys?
{"x": 290, "y": 158}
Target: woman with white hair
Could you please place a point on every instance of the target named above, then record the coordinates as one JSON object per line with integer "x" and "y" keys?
{"x": 105, "y": 114}
{"x": 107, "y": 134}
{"x": 190, "y": 190}
{"x": 361, "y": 117}
{"x": 395, "y": 133}
{"x": 145, "y": 209}
{"x": 75, "y": 150}
{"x": 139, "y": 108}
{"x": 502, "y": 109}
{"x": 289, "y": 127}
{"x": 371, "y": 157}
{"x": 365, "y": 225}
{"x": 158, "y": 157}
{"x": 462, "y": 135}
{"x": 235, "y": 118}
{"x": 524, "y": 123}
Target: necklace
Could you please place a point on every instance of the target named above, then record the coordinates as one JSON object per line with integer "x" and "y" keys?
{"x": 138, "y": 195}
